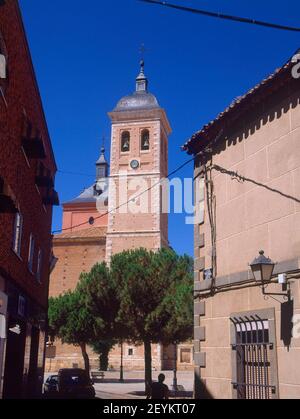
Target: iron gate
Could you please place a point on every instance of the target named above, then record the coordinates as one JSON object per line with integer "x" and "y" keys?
{"x": 253, "y": 360}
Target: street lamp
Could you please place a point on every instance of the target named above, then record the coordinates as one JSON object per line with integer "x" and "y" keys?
{"x": 121, "y": 366}
{"x": 262, "y": 268}
{"x": 175, "y": 384}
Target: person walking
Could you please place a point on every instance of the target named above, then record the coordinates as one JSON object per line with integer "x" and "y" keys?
{"x": 159, "y": 390}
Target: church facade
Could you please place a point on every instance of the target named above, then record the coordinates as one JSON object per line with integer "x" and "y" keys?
{"x": 112, "y": 216}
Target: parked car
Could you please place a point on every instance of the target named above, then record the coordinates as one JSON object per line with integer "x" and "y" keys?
{"x": 75, "y": 383}
{"x": 72, "y": 383}
{"x": 50, "y": 386}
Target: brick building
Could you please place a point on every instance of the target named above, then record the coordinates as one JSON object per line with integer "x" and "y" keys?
{"x": 27, "y": 170}
{"x": 139, "y": 150}
{"x": 247, "y": 180}
{"x": 77, "y": 250}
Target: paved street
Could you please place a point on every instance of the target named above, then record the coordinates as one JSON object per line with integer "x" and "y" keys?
{"x": 133, "y": 386}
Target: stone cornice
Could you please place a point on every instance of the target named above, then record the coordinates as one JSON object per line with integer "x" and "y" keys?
{"x": 79, "y": 240}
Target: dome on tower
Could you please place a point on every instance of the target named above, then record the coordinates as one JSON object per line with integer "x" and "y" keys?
{"x": 137, "y": 101}
{"x": 141, "y": 99}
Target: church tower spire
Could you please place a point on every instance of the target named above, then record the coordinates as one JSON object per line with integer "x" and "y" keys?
{"x": 141, "y": 80}
{"x": 102, "y": 165}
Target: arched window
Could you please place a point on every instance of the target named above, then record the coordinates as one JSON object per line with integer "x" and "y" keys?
{"x": 145, "y": 140}
{"x": 3, "y": 59}
{"x": 125, "y": 142}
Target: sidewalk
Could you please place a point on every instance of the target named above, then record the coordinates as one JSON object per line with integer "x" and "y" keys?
{"x": 134, "y": 385}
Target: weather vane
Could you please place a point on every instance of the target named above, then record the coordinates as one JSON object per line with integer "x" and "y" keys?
{"x": 103, "y": 142}
{"x": 142, "y": 51}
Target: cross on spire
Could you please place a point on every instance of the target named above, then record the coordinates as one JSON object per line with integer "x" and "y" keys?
{"x": 142, "y": 81}
{"x": 142, "y": 51}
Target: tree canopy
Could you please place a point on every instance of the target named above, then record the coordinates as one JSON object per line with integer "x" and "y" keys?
{"x": 71, "y": 321}
{"x": 144, "y": 297}
{"x": 156, "y": 297}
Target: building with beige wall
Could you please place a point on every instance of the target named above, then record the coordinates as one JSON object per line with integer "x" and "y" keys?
{"x": 247, "y": 183}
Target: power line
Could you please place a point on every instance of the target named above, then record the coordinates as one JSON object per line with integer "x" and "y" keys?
{"x": 223, "y": 16}
{"x": 130, "y": 200}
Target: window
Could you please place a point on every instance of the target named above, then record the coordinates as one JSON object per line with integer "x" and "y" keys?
{"x": 21, "y": 306}
{"x": 130, "y": 352}
{"x": 125, "y": 142}
{"x": 101, "y": 172}
{"x": 2, "y": 327}
{"x": 254, "y": 357}
{"x": 145, "y": 140}
{"x": 3, "y": 58}
{"x": 17, "y": 239}
{"x": 39, "y": 266}
{"x": 31, "y": 253}
{"x": 185, "y": 356}
{"x": 2, "y": 66}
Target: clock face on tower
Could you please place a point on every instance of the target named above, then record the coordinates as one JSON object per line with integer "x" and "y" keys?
{"x": 134, "y": 164}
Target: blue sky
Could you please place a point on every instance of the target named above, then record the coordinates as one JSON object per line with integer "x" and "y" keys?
{"x": 86, "y": 58}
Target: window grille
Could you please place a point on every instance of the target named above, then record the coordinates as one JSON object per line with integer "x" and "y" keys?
{"x": 253, "y": 358}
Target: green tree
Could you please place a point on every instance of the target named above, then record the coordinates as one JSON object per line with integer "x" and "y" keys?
{"x": 155, "y": 295}
{"x": 100, "y": 294}
{"x": 103, "y": 348}
{"x": 71, "y": 321}
{"x": 144, "y": 298}
{"x": 176, "y": 310}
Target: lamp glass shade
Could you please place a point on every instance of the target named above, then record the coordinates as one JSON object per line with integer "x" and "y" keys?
{"x": 262, "y": 268}
{"x": 257, "y": 273}
{"x": 267, "y": 271}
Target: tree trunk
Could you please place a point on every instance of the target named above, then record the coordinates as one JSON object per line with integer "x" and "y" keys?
{"x": 104, "y": 359}
{"x": 85, "y": 358}
{"x": 148, "y": 366}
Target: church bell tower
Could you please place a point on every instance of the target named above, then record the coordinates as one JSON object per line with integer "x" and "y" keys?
{"x": 139, "y": 161}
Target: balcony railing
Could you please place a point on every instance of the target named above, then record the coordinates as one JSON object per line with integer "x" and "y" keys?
{"x": 44, "y": 181}
{"x": 51, "y": 199}
{"x": 7, "y": 205}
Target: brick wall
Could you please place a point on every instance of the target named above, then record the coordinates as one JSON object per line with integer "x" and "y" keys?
{"x": 22, "y": 99}
{"x": 74, "y": 257}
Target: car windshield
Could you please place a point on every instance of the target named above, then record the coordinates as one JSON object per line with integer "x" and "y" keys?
{"x": 75, "y": 379}
{"x": 53, "y": 379}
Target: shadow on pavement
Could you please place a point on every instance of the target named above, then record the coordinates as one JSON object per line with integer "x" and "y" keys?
{"x": 172, "y": 394}
{"x": 117, "y": 381}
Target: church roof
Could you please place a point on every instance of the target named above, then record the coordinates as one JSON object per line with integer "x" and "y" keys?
{"x": 88, "y": 195}
{"x": 137, "y": 101}
{"x": 141, "y": 99}
{"x": 102, "y": 159}
{"x": 88, "y": 233}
